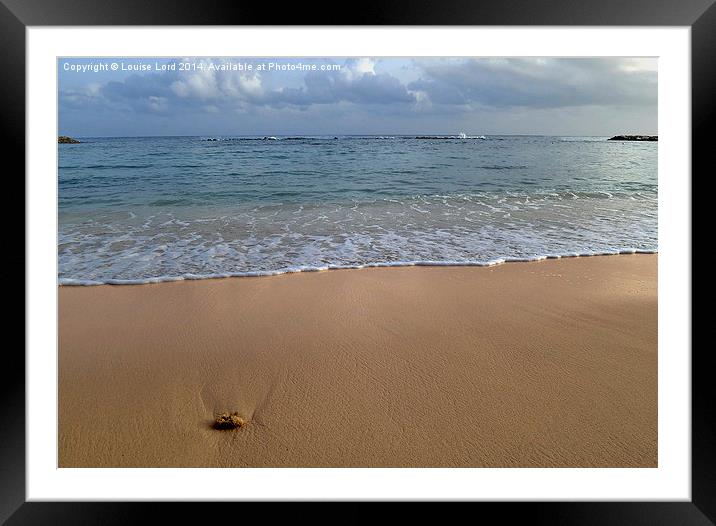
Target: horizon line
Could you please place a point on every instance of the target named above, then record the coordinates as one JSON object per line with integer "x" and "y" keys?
{"x": 351, "y": 135}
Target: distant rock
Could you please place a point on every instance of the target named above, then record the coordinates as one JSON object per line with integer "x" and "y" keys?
{"x": 64, "y": 139}
{"x": 635, "y": 138}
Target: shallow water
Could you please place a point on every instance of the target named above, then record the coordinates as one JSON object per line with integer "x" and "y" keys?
{"x": 152, "y": 209}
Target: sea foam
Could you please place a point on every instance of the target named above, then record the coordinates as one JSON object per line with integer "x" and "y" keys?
{"x": 382, "y": 264}
{"x": 144, "y": 210}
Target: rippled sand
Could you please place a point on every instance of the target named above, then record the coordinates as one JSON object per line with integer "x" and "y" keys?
{"x": 541, "y": 364}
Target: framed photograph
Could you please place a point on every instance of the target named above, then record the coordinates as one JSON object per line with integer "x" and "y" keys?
{"x": 444, "y": 255}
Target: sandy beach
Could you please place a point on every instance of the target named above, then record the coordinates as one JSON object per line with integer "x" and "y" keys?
{"x": 541, "y": 364}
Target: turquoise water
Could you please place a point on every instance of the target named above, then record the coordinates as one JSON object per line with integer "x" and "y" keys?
{"x": 151, "y": 209}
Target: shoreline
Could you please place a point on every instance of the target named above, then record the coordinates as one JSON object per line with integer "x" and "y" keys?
{"x": 538, "y": 365}
{"x": 70, "y": 282}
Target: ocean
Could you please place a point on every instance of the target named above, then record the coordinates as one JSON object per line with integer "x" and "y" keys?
{"x": 148, "y": 209}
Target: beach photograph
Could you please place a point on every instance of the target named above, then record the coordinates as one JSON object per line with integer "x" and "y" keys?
{"x": 356, "y": 262}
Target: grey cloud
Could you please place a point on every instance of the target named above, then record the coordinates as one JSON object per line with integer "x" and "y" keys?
{"x": 517, "y": 95}
{"x": 545, "y": 83}
{"x": 367, "y": 88}
{"x": 157, "y": 92}
{"x": 332, "y": 87}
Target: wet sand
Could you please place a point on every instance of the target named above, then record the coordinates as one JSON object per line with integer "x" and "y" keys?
{"x": 541, "y": 364}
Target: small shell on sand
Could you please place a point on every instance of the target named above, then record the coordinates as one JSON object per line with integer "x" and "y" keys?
{"x": 229, "y": 421}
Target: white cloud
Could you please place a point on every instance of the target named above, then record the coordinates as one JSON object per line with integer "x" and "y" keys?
{"x": 386, "y": 95}
{"x": 633, "y": 65}
{"x": 205, "y": 84}
{"x": 365, "y": 65}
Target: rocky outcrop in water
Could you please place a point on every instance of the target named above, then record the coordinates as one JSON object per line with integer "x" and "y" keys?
{"x": 634, "y": 138}
{"x": 64, "y": 139}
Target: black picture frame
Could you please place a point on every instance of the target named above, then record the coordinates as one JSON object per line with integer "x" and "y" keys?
{"x": 16, "y": 15}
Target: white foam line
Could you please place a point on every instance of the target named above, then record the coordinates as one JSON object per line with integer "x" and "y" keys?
{"x": 381, "y": 264}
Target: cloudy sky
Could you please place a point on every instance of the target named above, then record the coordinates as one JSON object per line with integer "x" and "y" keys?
{"x": 339, "y": 96}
